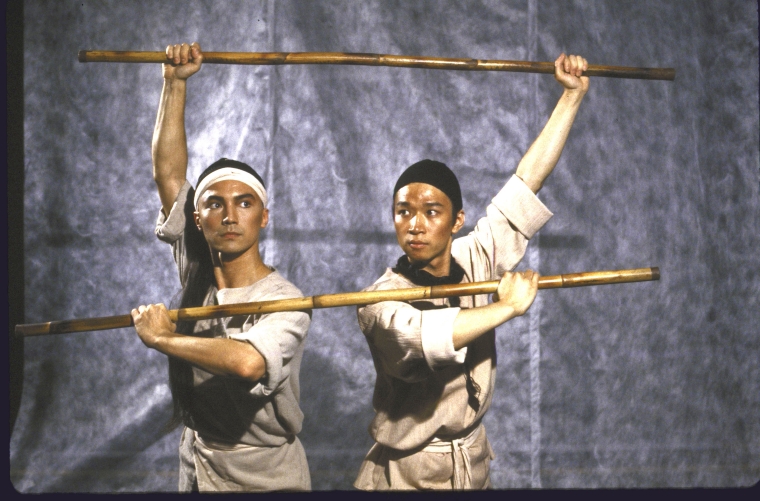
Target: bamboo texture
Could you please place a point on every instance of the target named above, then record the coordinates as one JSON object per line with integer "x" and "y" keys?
{"x": 340, "y": 299}
{"x": 343, "y": 58}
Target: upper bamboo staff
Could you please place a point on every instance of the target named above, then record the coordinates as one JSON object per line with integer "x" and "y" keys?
{"x": 341, "y": 299}
{"x": 437, "y": 63}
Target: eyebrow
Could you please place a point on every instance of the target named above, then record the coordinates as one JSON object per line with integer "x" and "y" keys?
{"x": 404, "y": 203}
{"x": 235, "y": 198}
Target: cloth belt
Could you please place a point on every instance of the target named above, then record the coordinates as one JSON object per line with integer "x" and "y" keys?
{"x": 460, "y": 453}
{"x": 218, "y": 446}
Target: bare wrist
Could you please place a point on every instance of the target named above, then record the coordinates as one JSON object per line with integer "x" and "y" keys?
{"x": 573, "y": 96}
{"x": 505, "y": 311}
{"x": 161, "y": 342}
{"x": 175, "y": 83}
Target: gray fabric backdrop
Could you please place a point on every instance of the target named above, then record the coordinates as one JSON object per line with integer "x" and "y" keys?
{"x": 643, "y": 385}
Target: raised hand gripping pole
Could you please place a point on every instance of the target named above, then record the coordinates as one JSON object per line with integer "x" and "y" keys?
{"x": 341, "y": 299}
{"x": 436, "y": 63}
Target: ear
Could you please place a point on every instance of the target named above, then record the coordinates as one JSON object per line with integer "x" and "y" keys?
{"x": 197, "y": 218}
{"x": 458, "y": 222}
{"x": 264, "y": 218}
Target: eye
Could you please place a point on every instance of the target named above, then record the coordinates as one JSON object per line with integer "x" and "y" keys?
{"x": 402, "y": 212}
{"x": 432, "y": 212}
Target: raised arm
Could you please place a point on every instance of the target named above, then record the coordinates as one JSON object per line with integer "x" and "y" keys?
{"x": 169, "y": 149}
{"x": 542, "y": 156}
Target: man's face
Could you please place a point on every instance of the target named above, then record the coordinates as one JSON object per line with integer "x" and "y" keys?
{"x": 231, "y": 216}
{"x": 425, "y": 225}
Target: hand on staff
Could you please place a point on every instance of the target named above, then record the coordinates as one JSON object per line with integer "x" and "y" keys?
{"x": 183, "y": 60}
{"x": 517, "y": 290}
{"x": 568, "y": 71}
{"x": 152, "y": 323}
{"x": 513, "y": 297}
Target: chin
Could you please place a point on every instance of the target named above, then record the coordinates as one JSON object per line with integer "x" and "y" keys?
{"x": 230, "y": 249}
{"x": 417, "y": 260}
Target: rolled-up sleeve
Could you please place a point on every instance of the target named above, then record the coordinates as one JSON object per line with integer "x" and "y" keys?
{"x": 521, "y": 207}
{"x": 499, "y": 239}
{"x": 437, "y": 336}
{"x": 411, "y": 343}
{"x": 170, "y": 228}
{"x": 277, "y": 337}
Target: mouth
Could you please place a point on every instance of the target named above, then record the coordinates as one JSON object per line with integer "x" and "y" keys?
{"x": 230, "y": 235}
{"x": 416, "y": 244}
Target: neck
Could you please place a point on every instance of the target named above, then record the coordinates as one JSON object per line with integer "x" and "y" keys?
{"x": 439, "y": 266}
{"x": 233, "y": 271}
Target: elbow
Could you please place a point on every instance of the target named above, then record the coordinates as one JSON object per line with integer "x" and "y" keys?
{"x": 159, "y": 178}
{"x": 162, "y": 178}
{"x": 252, "y": 369}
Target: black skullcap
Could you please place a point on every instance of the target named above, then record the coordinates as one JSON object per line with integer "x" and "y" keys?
{"x": 235, "y": 164}
{"x": 435, "y": 174}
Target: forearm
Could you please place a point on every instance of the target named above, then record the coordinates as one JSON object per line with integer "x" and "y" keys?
{"x": 515, "y": 294}
{"x": 169, "y": 148}
{"x": 472, "y": 323}
{"x": 222, "y": 357}
{"x": 545, "y": 151}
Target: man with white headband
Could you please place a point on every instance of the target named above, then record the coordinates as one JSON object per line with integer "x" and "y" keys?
{"x": 230, "y": 170}
{"x": 436, "y": 359}
{"x": 234, "y": 381}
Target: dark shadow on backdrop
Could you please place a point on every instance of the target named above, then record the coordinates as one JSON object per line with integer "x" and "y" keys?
{"x": 329, "y": 435}
{"x": 39, "y": 415}
{"x": 135, "y": 438}
{"x": 15, "y": 185}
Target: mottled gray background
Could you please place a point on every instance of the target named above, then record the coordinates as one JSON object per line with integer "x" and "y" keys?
{"x": 642, "y": 385}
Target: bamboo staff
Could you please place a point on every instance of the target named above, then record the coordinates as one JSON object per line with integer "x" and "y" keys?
{"x": 436, "y": 63}
{"x": 341, "y": 299}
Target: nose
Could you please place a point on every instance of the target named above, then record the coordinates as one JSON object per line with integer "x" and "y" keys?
{"x": 415, "y": 225}
{"x": 230, "y": 215}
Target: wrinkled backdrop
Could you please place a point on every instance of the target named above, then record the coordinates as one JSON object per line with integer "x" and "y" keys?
{"x": 654, "y": 384}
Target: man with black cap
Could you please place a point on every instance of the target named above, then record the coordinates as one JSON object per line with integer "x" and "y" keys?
{"x": 234, "y": 381}
{"x": 436, "y": 359}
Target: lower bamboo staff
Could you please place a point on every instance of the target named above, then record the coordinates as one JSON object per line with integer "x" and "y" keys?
{"x": 435, "y": 63}
{"x": 341, "y": 299}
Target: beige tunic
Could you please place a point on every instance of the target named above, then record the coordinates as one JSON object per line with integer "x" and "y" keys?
{"x": 420, "y": 393}
{"x": 245, "y": 433}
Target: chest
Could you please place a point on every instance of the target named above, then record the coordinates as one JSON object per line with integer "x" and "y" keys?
{"x": 226, "y": 326}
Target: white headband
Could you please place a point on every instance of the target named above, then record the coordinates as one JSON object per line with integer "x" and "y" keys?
{"x": 230, "y": 174}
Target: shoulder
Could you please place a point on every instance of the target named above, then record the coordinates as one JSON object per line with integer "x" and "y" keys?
{"x": 390, "y": 280}
{"x": 369, "y": 314}
{"x": 275, "y": 286}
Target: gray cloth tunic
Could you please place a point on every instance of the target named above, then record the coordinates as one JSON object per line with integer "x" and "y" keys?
{"x": 420, "y": 391}
{"x": 244, "y": 433}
